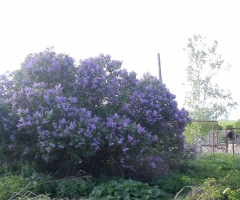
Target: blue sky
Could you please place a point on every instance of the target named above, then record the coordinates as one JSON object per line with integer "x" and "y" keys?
{"x": 133, "y": 31}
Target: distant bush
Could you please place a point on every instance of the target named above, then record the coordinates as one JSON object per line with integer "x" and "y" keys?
{"x": 228, "y": 124}
{"x": 231, "y": 124}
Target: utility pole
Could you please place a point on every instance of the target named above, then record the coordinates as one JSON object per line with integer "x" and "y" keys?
{"x": 159, "y": 67}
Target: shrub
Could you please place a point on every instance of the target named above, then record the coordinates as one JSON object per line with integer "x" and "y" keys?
{"x": 96, "y": 117}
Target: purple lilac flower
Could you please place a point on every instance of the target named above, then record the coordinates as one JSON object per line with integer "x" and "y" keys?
{"x": 120, "y": 141}
{"x": 125, "y": 149}
{"x": 10, "y": 146}
{"x": 130, "y": 139}
{"x": 140, "y": 129}
{"x": 12, "y": 137}
{"x": 46, "y": 159}
{"x": 48, "y": 149}
{"x": 153, "y": 165}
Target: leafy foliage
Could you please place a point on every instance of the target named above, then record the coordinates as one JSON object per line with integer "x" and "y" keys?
{"x": 172, "y": 183}
{"x": 210, "y": 177}
{"x": 72, "y": 188}
{"x": 227, "y": 125}
{"x": 94, "y": 116}
{"x": 125, "y": 189}
{"x": 209, "y": 190}
{"x": 18, "y": 186}
{"x": 10, "y": 185}
{"x": 213, "y": 189}
{"x": 192, "y": 130}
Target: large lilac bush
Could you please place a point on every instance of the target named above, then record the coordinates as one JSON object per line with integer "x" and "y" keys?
{"x": 95, "y": 116}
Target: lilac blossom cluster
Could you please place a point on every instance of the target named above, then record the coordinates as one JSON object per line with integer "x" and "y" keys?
{"x": 53, "y": 120}
{"x": 101, "y": 81}
{"x": 48, "y": 67}
{"x": 128, "y": 138}
{"x": 62, "y": 111}
{"x": 154, "y": 107}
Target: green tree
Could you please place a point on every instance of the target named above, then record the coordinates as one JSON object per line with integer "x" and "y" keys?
{"x": 205, "y": 99}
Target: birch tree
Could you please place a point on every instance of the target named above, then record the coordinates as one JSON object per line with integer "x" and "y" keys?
{"x": 205, "y": 99}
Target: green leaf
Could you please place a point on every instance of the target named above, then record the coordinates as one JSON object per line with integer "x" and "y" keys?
{"x": 145, "y": 197}
{"x": 156, "y": 192}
